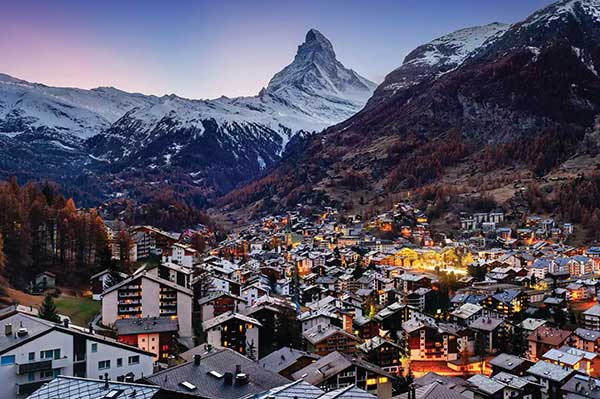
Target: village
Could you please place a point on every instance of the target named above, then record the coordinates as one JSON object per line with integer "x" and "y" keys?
{"x": 320, "y": 303}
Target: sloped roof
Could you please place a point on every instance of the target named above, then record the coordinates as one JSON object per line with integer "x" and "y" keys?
{"x": 82, "y": 388}
{"x": 220, "y": 361}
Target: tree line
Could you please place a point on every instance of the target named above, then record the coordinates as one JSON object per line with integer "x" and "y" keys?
{"x": 41, "y": 230}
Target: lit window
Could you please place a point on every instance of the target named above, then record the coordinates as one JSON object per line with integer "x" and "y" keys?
{"x": 371, "y": 381}
{"x": 383, "y": 380}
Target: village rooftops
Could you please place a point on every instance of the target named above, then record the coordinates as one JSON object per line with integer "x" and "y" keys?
{"x": 219, "y": 294}
{"x": 434, "y": 390}
{"x": 26, "y": 328}
{"x": 549, "y": 335}
{"x": 333, "y": 364}
{"x": 206, "y": 376}
{"x": 466, "y": 311}
{"x": 374, "y": 343}
{"x": 146, "y": 325}
{"x": 298, "y": 389}
{"x": 283, "y": 358}
{"x": 506, "y": 361}
{"x": 512, "y": 381}
{"x": 593, "y": 311}
{"x": 531, "y": 324}
{"x": 225, "y": 317}
{"x": 321, "y": 332}
{"x": 550, "y": 371}
{"x": 581, "y": 386}
{"x": 486, "y": 384}
{"x": 486, "y": 324}
{"x": 587, "y": 335}
{"x": 64, "y": 387}
{"x": 568, "y": 359}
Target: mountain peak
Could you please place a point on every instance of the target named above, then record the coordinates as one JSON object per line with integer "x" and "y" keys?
{"x": 315, "y": 69}
{"x": 315, "y": 45}
{"x": 314, "y": 36}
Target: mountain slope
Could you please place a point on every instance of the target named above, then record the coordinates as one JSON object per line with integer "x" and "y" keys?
{"x": 438, "y": 57}
{"x": 211, "y": 145}
{"x": 525, "y": 97}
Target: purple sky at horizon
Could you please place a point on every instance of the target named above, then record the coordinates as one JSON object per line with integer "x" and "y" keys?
{"x": 204, "y": 49}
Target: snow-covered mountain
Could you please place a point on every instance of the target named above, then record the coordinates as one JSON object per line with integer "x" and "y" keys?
{"x": 438, "y": 57}
{"x": 29, "y": 107}
{"x": 217, "y": 142}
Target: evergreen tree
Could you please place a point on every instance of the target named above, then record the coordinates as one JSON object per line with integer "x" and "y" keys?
{"x": 48, "y": 310}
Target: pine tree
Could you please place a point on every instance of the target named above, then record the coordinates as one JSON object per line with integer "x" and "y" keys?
{"x": 48, "y": 310}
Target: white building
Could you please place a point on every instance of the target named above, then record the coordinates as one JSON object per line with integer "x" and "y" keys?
{"x": 160, "y": 298}
{"x": 34, "y": 351}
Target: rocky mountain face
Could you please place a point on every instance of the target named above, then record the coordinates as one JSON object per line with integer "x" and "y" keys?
{"x": 489, "y": 97}
{"x": 436, "y": 58}
{"x": 128, "y": 140}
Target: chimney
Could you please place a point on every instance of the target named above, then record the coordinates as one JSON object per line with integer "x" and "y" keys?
{"x": 106, "y": 386}
{"x": 8, "y": 329}
{"x": 197, "y": 359}
{"x": 171, "y": 362}
{"x": 228, "y": 379}
{"x": 238, "y": 369}
{"x": 66, "y": 322}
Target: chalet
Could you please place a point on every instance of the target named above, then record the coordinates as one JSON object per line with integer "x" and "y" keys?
{"x": 580, "y": 360}
{"x": 382, "y": 353}
{"x": 233, "y": 330}
{"x": 325, "y": 339}
{"x": 221, "y": 373}
{"x": 43, "y": 281}
{"x": 510, "y": 364}
{"x": 551, "y": 377}
{"x": 100, "y": 281}
{"x": 591, "y": 318}
{"x": 545, "y": 338}
{"x": 587, "y": 340}
{"x": 286, "y": 361}
{"x": 217, "y": 303}
{"x": 339, "y": 370}
{"x": 492, "y": 332}
{"x": 426, "y": 341}
{"x": 507, "y": 302}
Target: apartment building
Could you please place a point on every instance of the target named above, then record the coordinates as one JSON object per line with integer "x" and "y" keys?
{"x": 33, "y": 351}
{"x": 161, "y": 298}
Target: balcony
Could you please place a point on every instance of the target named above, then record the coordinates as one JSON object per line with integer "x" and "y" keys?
{"x": 130, "y": 302}
{"x": 34, "y": 366}
{"x": 28, "y": 388}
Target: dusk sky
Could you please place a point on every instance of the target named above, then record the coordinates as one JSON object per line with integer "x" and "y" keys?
{"x": 204, "y": 49}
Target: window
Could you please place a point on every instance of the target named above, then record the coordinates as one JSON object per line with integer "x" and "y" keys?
{"x": 31, "y": 356}
{"x": 94, "y": 348}
{"x": 103, "y": 364}
{"x": 31, "y": 376}
{"x": 46, "y": 374}
{"x": 120, "y": 362}
{"x": 49, "y": 354}
{"x": 7, "y": 360}
{"x": 134, "y": 360}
